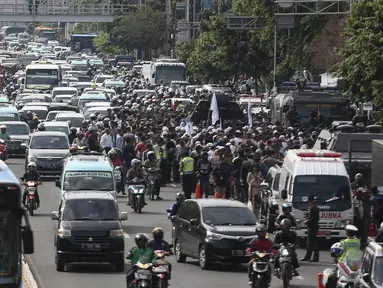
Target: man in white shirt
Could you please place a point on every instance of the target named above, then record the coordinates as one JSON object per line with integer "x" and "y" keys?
{"x": 106, "y": 141}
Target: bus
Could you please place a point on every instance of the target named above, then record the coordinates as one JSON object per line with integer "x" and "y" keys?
{"x": 81, "y": 42}
{"x": 42, "y": 76}
{"x": 6, "y": 30}
{"x": 45, "y": 32}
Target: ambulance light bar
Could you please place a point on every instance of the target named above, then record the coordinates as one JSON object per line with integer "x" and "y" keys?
{"x": 320, "y": 154}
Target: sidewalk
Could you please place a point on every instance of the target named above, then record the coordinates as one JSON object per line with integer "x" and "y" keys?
{"x": 27, "y": 277}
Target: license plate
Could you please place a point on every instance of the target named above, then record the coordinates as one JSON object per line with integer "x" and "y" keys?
{"x": 91, "y": 246}
{"x": 324, "y": 233}
{"x": 238, "y": 252}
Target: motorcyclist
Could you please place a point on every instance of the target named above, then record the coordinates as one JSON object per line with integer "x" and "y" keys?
{"x": 150, "y": 166}
{"x": 259, "y": 243}
{"x": 180, "y": 198}
{"x": 286, "y": 236}
{"x": 351, "y": 248}
{"x": 34, "y": 122}
{"x": 140, "y": 253}
{"x": 80, "y": 140}
{"x": 41, "y": 127}
{"x": 31, "y": 175}
{"x": 134, "y": 173}
{"x": 286, "y": 214}
{"x": 114, "y": 158}
{"x": 158, "y": 243}
{"x": 72, "y": 135}
{"x": 4, "y": 134}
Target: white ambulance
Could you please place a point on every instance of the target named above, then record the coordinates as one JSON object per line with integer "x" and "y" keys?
{"x": 320, "y": 173}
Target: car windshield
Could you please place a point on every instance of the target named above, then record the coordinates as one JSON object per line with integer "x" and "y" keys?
{"x": 377, "y": 275}
{"x": 64, "y": 129}
{"x": 333, "y": 192}
{"x": 52, "y": 115}
{"x": 75, "y": 181}
{"x": 75, "y": 121}
{"x": 228, "y": 216}
{"x": 49, "y": 142}
{"x": 9, "y": 117}
{"x": 90, "y": 209}
{"x": 18, "y": 129}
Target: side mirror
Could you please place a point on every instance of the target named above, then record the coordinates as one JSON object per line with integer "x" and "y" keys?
{"x": 23, "y": 81}
{"x": 55, "y": 215}
{"x": 366, "y": 277}
{"x": 124, "y": 216}
{"x": 58, "y": 183}
{"x": 194, "y": 222}
{"x": 27, "y": 236}
{"x": 264, "y": 186}
{"x": 284, "y": 194}
{"x": 153, "y": 75}
{"x": 169, "y": 210}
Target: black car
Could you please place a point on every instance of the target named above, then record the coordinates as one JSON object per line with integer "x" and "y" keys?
{"x": 213, "y": 230}
{"x": 89, "y": 230}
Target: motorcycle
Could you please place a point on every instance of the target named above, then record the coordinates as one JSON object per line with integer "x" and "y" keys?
{"x": 343, "y": 274}
{"x": 285, "y": 263}
{"x": 260, "y": 269}
{"x": 136, "y": 192}
{"x": 118, "y": 178}
{"x": 31, "y": 187}
{"x": 3, "y": 150}
{"x": 143, "y": 276}
{"x": 160, "y": 269}
{"x": 152, "y": 175}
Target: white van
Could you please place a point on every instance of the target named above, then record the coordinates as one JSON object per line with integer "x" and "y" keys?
{"x": 320, "y": 173}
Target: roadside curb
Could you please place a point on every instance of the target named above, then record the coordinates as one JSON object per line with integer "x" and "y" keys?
{"x": 27, "y": 276}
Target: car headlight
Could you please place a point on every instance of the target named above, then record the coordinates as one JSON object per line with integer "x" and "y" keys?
{"x": 63, "y": 233}
{"x": 116, "y": 233}
{"x": 341, "y": 223}
{"x": 285, "y": 252}
{"x": 213, "y": 236}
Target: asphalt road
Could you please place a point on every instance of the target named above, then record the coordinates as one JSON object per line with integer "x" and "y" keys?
{"x": 187, "y": 275}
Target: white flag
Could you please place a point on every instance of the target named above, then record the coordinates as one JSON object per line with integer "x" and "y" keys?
{"x": 189, "y": 127}
{"x": 214, "y": 110}
{"x": 249, "y": 116}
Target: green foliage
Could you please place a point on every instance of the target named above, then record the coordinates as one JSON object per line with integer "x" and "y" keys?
{"x": 362, "y": 58}
{"x": 142, "y": 29}
{"x": 102, "y": 43}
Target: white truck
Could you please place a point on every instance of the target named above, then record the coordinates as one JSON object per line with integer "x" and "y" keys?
{"x": 167, "y": 70}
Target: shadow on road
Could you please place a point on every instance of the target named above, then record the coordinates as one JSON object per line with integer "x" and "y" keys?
{"x": 92, "y": 268}
{"x": 139, "y": 229}
{"x": 223, "y": 267}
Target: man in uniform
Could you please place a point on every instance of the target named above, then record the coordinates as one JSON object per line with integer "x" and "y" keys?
{"x": 312, "y": 223}
{"x": 187, "y": 174}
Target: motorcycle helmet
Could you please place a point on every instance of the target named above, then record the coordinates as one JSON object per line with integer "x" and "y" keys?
{"x": 180, "y": 197}
{"x": 141, "y": 240}
{"x": 351, "y": 230}
{"x": 73, "y": 130}
{"x": 112, "y": 154}
{"x": 286, "y": 206}
{"x": 41, "y": 127}
{"x": 261, "y": 231}
{"x": 135, "y": 162}
{"x": 158, "y": 234}
{"x": 31, "y": 166}
{"x": 286, "y": 224}
{"x": 336, "y": 250}
{"x": 151, "y": 155}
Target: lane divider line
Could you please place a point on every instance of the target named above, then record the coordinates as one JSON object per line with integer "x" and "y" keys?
{"x": 27, "y": 277}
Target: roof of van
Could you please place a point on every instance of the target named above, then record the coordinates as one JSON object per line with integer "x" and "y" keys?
{"x": 326, "y": 162}
{"x": 88, "y": 163}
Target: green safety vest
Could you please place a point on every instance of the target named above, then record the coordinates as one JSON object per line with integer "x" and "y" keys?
{"x": 157, "y": 152}
{"x": 180, "y": 107}
{"x": 351, "y": 251}
{"x": 187, "y": 166}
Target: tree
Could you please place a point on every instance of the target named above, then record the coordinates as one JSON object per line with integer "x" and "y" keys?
{"x": 103, "y": 44}
{"x": 143, "y": 29}
{"x": 362, "y": 58}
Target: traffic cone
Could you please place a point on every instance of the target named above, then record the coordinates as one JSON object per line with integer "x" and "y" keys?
{"x": 197, "y": 191}
{"x": 320, "y": 280}
{"x": 216, "y": 195}
{"x": 371, "y": 231}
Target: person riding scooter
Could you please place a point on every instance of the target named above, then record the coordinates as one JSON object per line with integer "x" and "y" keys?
{"x": 180, "y": 198}
{"x": 141, "y": 253}
{"x": 158, "y": 243}
{"x": 288, "y": 236}
{"x": 31, "y": 175}
{"x": 150, "y": 166}
{"x": 286, "y": 214}
{"x": 259, "y": 243}
{"x": 135, "y": 172}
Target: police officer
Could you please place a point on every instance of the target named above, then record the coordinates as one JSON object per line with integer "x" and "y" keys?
{"x": 312, "y": 223}
{"x": 187, "y": 174}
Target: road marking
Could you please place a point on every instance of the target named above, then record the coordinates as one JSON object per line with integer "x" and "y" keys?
{"x": 300, "y": 277}
{"x": 126, "y": 235}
